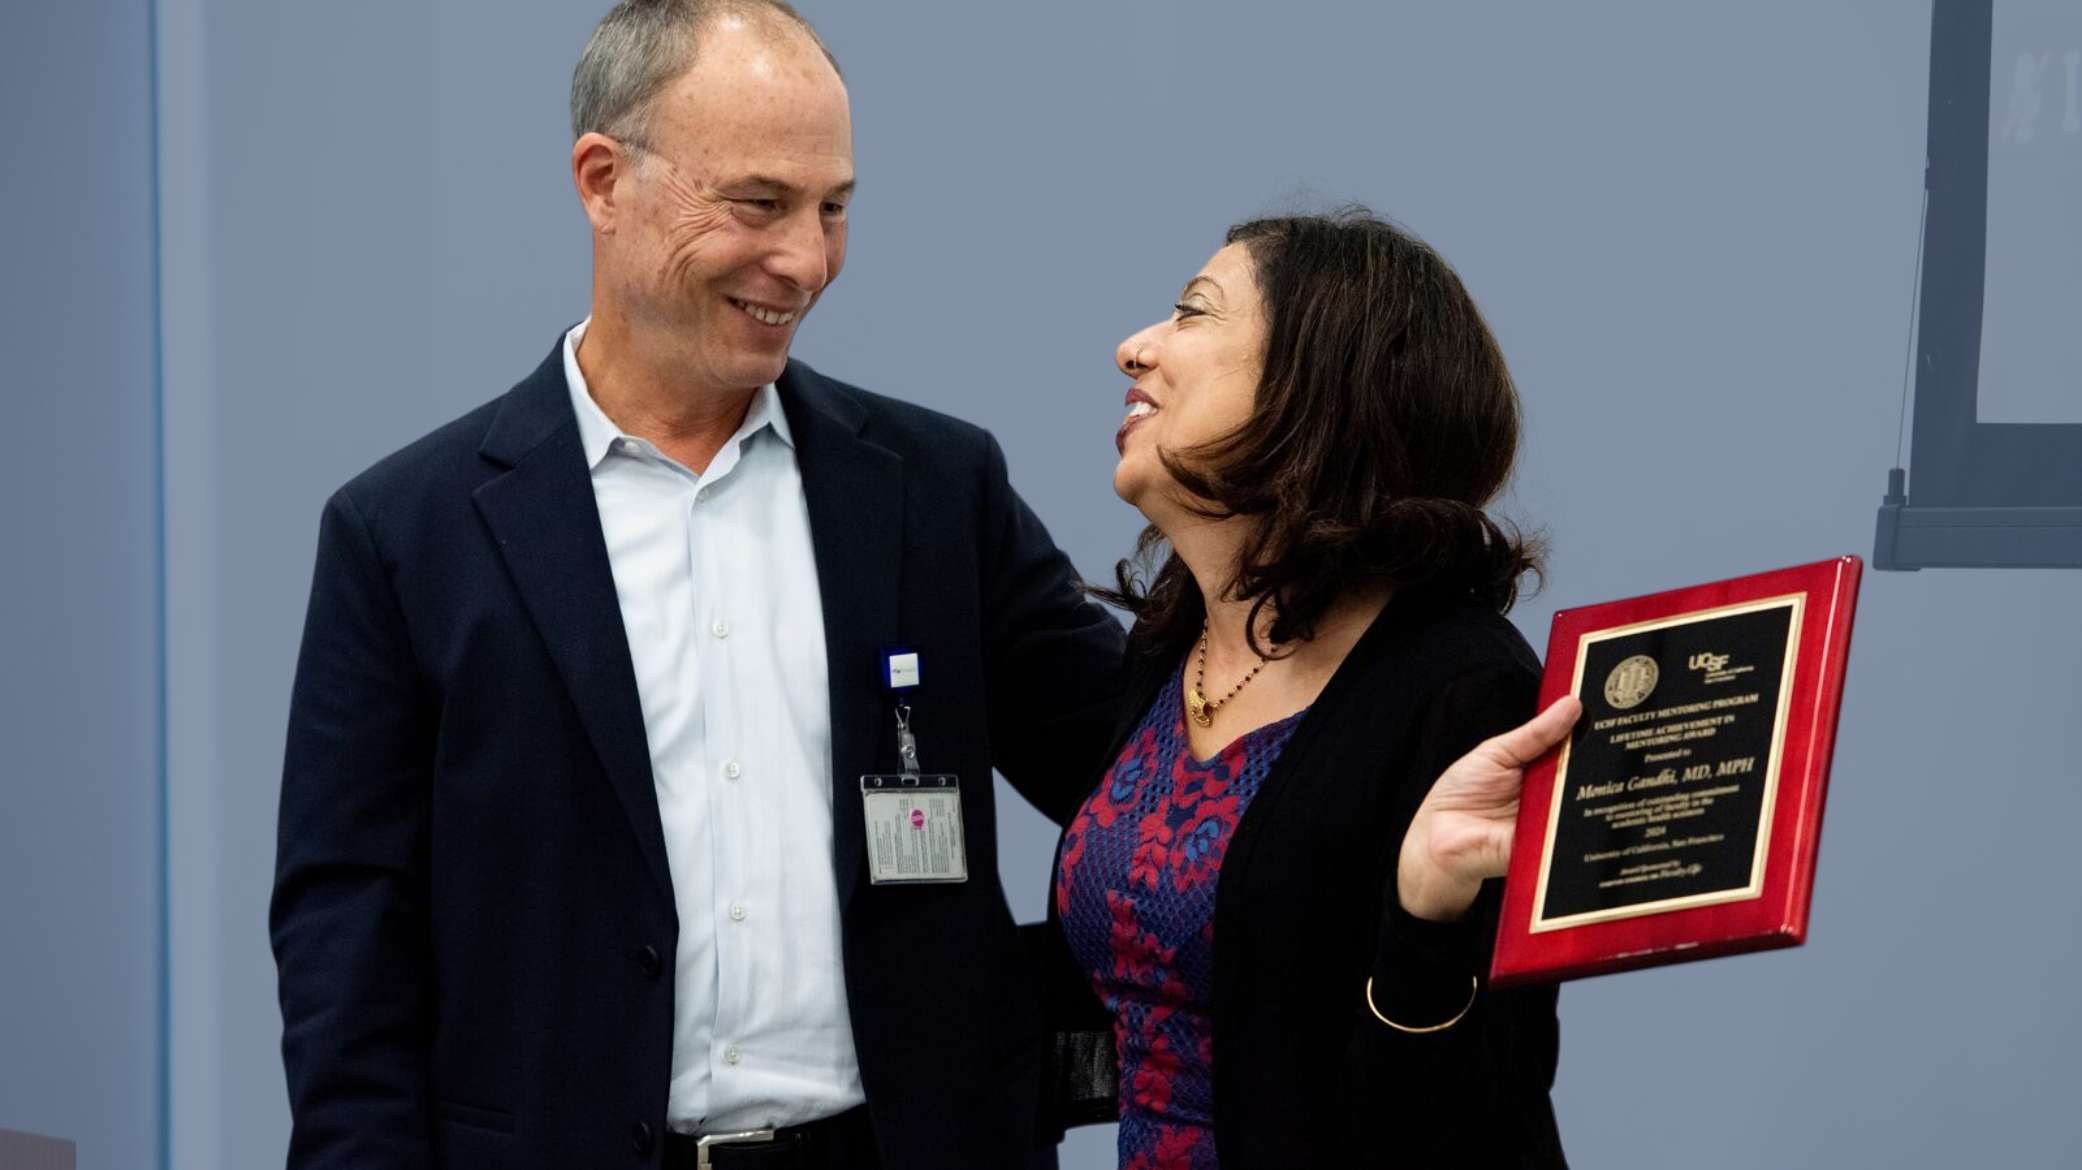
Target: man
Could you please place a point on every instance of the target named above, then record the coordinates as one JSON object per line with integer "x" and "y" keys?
{"x": 574, "y": 863}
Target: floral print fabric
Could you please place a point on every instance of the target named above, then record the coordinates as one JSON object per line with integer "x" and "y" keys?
{"x": 1135, "y": 890}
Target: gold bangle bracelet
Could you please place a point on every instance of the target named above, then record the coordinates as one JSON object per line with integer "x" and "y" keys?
{"x": 1474, "y": 988}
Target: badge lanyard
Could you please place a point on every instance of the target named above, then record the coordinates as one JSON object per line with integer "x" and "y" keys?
{"x": 913, "y": 818}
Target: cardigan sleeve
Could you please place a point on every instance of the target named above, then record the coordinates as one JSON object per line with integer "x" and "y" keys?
{"x": 1496, "y": 1063}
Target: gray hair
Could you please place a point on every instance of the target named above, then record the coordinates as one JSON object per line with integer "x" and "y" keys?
{"x": 640, "y": 46}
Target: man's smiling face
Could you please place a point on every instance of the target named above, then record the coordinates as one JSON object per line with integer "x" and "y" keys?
{"x": 732, "y": 220}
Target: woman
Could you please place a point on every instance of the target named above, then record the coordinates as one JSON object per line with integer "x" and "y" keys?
{"x": 1287, "y": 920}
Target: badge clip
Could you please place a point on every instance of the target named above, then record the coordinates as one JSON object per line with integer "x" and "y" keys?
{"x": 913, "y": 821}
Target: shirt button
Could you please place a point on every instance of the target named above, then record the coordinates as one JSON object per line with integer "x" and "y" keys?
{"x": 731, "y": 1055}
{"x": 640, "y": 1137}
{"x": 731, "y": 770}
{"x": 720, "y": 628}
{"x": 737, "y": 912}
{"x": 701, "y": 497}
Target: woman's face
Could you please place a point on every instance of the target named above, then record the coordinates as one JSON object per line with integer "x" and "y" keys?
{"x": 1196, "y": 376}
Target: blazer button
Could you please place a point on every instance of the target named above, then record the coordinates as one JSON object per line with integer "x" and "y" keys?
{"x": 649, "y": 962}
{"x": 640, "y": 1137}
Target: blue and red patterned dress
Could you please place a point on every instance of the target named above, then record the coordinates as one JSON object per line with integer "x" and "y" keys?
{"x": 1135, "y": 891}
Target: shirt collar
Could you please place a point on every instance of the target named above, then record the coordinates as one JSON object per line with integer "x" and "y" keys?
{"x": 597, "y": 432}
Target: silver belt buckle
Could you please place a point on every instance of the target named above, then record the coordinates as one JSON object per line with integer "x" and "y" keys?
{"x": 709, "y": 1141}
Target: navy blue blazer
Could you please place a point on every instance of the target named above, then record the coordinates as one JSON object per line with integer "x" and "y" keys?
{"x": 472, "y": 917}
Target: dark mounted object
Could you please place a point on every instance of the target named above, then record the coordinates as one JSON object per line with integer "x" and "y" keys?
{"x": 1985, "y": 494}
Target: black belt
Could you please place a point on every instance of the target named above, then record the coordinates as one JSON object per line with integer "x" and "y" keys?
{"x": 845, "y": 1142}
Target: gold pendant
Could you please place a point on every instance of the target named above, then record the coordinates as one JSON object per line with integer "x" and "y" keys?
{"x": 1196, "y": 708}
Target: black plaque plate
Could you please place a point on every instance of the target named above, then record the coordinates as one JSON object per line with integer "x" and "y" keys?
{"x": 1666, "y": 791}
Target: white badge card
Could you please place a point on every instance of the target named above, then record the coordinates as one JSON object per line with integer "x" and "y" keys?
{"x": 914, "y": 831}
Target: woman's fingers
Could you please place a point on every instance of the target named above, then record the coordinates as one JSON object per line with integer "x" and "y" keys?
{"x": 1462, "y": 833}
{"x": 1485, "y": 782}
{"x": 1527, "y": 742}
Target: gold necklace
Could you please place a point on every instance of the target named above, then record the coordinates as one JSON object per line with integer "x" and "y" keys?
{"x": 1198, "y": 707}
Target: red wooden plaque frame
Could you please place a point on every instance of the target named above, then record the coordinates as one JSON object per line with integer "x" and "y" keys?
{"x": 1776, "y": 914}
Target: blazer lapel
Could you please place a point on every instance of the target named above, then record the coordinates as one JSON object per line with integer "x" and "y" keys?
{"x": 855, "y": 493}
{"x": 542, "y": 513}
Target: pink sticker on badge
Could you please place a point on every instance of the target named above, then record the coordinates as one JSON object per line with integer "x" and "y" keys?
{"x": 918, "y": 818}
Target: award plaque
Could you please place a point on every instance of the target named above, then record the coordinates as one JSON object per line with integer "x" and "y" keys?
{"x": 1681, "y": 817}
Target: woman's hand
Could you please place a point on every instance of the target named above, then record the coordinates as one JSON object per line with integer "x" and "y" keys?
{"x": 1461, "y": 834}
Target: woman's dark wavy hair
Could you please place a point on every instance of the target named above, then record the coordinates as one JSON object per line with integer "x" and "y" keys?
{"x": 1385, "y": 420}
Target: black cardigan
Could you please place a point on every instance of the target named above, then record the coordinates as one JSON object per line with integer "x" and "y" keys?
{"x": 1306, "y": 911}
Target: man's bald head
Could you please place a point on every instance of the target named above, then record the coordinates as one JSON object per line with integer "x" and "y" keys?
{"x": 715, "y": 162}
{"x": 642, "y": 45}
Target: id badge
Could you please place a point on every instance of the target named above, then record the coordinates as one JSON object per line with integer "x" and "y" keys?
{"x": 914, "y": 831}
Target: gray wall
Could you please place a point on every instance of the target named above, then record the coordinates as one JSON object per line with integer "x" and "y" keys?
{"x": 1692, "y": 226}
{"x": 80, "y": 966}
